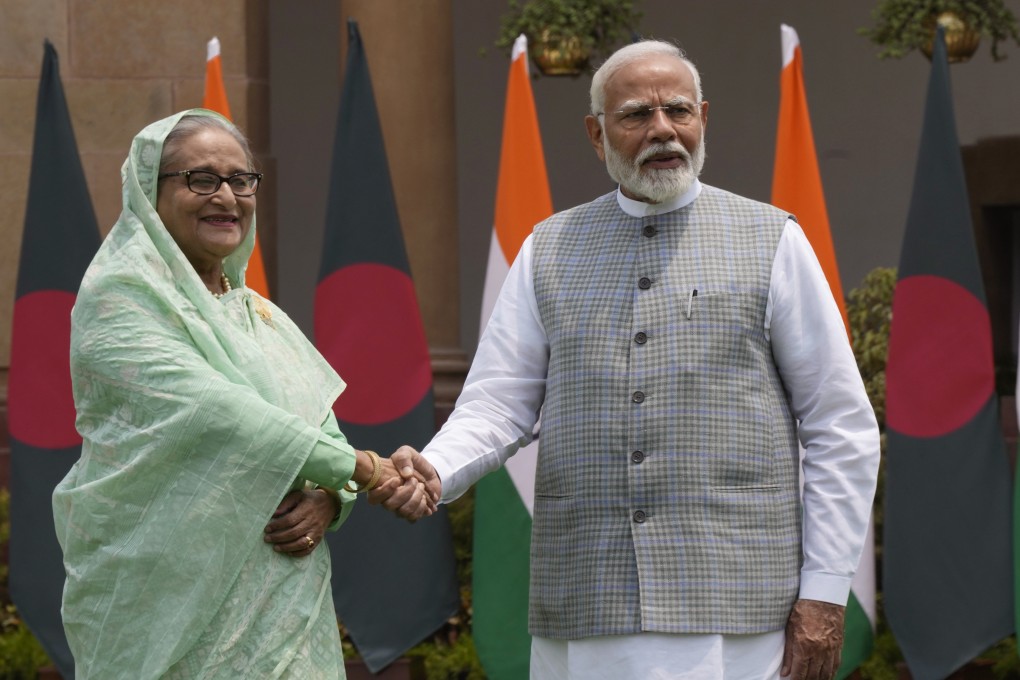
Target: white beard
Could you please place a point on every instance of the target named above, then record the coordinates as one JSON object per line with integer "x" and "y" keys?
{"x": 654, "y": 185}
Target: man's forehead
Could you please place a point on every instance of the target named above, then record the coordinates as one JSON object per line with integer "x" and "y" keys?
{"x": 659, "y": 79}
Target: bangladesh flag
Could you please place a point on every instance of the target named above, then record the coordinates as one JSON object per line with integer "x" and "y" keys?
{"x": 367, "y": 324}
{"x": 947, "y": 564}
{"x": 58, "y": 243}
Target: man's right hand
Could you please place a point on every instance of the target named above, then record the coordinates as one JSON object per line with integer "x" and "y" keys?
{"x": 400, "y": 494}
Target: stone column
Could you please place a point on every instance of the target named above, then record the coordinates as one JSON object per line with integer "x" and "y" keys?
{"x": 409, "y": 47}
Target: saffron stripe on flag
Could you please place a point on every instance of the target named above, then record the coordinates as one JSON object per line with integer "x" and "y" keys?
{"x": 504, "y": 499}
{"x": 796, "y": 179}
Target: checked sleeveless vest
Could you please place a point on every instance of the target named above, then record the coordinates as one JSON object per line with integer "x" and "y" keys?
{"x": 667, "y": 492}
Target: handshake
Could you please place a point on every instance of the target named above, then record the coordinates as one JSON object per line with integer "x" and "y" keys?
{"x": 408, "y": 485}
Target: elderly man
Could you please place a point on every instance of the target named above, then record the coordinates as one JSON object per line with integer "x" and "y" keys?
{"x": 678, "y": 340}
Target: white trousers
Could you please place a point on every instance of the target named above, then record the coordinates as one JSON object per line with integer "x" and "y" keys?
{"x": 658, "y": 656}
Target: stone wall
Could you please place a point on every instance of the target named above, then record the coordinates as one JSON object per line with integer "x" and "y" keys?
{"x": 123, "y": 65}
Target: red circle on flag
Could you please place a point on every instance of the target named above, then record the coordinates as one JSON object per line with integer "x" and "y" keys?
{"x": 939, "y": 372}
{"x": 40, "y": 405}
{"x": 368, "y": 327}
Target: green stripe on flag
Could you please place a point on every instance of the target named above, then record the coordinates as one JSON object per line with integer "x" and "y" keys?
{"x": 502, "y": 545}
{"x": 858, "y": 638}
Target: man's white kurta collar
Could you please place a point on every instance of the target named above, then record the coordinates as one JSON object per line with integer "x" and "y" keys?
{"x": 641, "y": 209}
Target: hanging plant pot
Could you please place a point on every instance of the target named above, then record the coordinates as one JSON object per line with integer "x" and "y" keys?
{"x": 902, "y": 26}
{"x": 564, "y": 35}
{"x": 559, "y": 56}
{"x": 961, "y": 40}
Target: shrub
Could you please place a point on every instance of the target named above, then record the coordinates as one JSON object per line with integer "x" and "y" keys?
{"x": 21, "y": 655}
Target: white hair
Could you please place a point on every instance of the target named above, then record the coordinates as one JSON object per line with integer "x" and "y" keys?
{"x": 189, "y": 126}
{"x": 629, "y": 54}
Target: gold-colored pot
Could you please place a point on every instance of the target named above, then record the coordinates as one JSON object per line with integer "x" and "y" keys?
{"x": 559, "y": 56}
{"x": 961, "y": 40}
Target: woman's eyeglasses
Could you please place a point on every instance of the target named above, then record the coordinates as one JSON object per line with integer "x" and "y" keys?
{"x": 205, "y": 183}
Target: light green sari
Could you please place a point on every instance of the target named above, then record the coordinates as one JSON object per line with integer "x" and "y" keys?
{"x": 197, "y": 415}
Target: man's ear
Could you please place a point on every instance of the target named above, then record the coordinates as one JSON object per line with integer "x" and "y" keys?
{"x": 595, "y": 136}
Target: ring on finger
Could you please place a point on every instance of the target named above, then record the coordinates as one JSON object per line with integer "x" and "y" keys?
{"x": 311, "y": 543}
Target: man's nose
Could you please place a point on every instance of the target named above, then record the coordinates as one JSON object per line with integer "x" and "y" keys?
{"x": 660, "y": 127}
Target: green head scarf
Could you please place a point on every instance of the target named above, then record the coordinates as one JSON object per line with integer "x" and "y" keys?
{"x": 140, "y": 179}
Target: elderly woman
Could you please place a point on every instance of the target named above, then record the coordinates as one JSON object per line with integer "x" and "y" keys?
{"x": 201, "y": 406}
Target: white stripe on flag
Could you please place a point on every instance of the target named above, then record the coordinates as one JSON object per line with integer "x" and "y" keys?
{"x": 495, "y": 274}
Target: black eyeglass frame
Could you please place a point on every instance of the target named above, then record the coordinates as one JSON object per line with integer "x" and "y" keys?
{"x": 219, "y": 180}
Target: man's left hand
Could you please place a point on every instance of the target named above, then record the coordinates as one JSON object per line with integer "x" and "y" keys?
{"x": 814, "y": 640}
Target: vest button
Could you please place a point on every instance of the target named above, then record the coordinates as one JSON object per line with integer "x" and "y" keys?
{"x": 649, "y": 230}
{"x": 637, "y": 456}
{"x": 638, "y": 397}
{"x": 640, "y": 338}
{"x": 640, "y": 516}
{"x": 644, "y": 283}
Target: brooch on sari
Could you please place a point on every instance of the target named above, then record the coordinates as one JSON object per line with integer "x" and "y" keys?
{"x": 264, "y": 312}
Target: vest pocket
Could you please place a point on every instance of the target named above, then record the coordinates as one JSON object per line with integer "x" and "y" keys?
{"x": 725, "y": 392}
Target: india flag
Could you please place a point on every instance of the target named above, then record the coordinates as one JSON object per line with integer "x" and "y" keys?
{"x": 504, "y": 499}
{"x": 215, "y": 99}
{"x": 797, "y": 187}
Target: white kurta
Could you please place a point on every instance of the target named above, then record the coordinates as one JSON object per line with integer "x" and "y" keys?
{"x": 503, "y": 393}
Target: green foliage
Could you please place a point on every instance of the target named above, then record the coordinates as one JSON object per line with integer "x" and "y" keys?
{"x": 5, "y": 533}
{"x": 870, "y": 314}
{"x": 905, "y": 25}
{"x": 462, "y": 524}
{"x": 881, "y": 665}
{"x": 1005, "y": 659}
{"x": 450, "y": 653}
{"x": 21, "y": 655}
{"x": 451, "y": 659}
{"x": 599, "y": 24}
